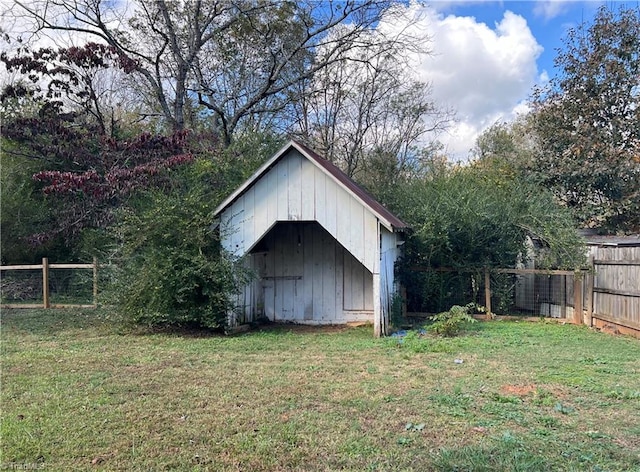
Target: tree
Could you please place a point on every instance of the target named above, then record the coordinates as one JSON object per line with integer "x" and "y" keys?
{"x": 23, "y": 213}
{"x": 470, "y": 217}
{"x": 507, "y": 149}
{"x": 78, "y": 78}
{"x": 587, "y": 122}
{"x": 239, "y": 60}
{"x": 365, "y": 113}
{"x": 81, "y": 175}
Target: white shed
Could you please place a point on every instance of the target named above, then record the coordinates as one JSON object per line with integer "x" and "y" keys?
{"x": 322, "y": 248}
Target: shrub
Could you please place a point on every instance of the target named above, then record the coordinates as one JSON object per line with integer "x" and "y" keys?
{"x": 171, "y": 271}
{"x": 450, "y": 323}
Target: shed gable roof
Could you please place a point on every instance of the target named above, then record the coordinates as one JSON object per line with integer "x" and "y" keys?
{"x": 388, "y": 219}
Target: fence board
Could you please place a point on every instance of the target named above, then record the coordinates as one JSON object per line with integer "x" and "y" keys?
{"x": 618, "y": 321}
{"x": 5, "y": 306}
{"x": 616, "y": 285}
{"x": 21, "y": 267}
{"x": 70, "y": 266}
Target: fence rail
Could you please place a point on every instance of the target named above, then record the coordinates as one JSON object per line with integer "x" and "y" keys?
{"x": 606, "y": 295}
{"x": 45, "y": 267}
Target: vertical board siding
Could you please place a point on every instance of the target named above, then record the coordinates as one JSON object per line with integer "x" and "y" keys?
{"x": 343, "y": 216}
{"x": 356, "y": 226}
{"x": 305, "y": 275}
{"x": 282, "y": 189}
{"x": 308, "y": 271}
{"x": 623, "y": 308}
{"x": 313, "y": 245}
{"x": 308, "y": 193}
{"x": 371, "y": 240}
{"x": 261, "y": 211}
{"x": 331, "y": 306}
{"x": 318, "y": 256}
{"x": 358, "y": 285}
{"x": 248, "y": 223}
{"x": 271, "y": 180}
{"x": 388, "y": 253}
{"x": 295, "y": 190}
{"x": 328, "y": 216}
{"x": 321, "y": 201}
{"x": 294, "y": 202}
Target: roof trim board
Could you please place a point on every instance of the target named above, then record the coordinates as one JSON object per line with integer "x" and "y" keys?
{"x": 386, "y": 218}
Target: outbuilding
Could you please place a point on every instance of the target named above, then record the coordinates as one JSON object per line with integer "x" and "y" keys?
{"x": 323, "y": 250}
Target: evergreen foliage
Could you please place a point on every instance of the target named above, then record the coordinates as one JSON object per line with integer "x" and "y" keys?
{"x": 469, "y": 218}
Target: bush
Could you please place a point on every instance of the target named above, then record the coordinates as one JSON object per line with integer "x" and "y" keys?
{"x": 469, "y": 218}
{"x": 450, "y": 323}
{"x": 171, "y": 271}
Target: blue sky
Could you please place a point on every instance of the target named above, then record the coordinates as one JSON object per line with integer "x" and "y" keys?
{"x": 548, "y": 21}
{"x": 488, "y": 56}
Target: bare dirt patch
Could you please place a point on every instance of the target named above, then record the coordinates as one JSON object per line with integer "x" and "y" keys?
{"x": 518, "y": 390}
{"x": 306, "y": 329}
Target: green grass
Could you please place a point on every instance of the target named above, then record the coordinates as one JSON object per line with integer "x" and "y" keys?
{"x": 82, "y": 392}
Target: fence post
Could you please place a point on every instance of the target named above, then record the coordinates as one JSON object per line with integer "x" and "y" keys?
{"x": 95, "y": 282}
{"x": 487, "y": 292}
{"x": 46, "y": 303}
{"x": 577, "y": 298}
{"x": 590, "y": 286}
{"x": 563, "y": 297}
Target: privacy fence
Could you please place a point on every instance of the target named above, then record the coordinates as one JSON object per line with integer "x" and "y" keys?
{"x": 606, "y": 295}
{"x": 616, "y": 285}
{"x": 49, "y": 285}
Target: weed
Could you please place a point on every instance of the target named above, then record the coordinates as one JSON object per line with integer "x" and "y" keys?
{"x": 450, "y": 323}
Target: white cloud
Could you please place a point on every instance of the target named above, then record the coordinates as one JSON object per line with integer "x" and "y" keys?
{"x": 544, "y": 77}
{"x": 484, "y": 73}
{"x": 549, "y": 9}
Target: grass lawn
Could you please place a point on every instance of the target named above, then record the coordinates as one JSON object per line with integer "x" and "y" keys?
{"x": 80, "y": 392}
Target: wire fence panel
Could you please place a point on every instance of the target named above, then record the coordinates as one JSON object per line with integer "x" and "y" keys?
{"x": 21, "y": 287}
{"x": 71, "y": 286}
{"x": 526, "y": 292}
{"x": 533, "y": 294}
{"x": 49, "y": 285}
{"x": 437, "y": 290}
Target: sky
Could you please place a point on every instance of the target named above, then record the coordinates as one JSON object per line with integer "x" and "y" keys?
{"x": 488, "y": 55}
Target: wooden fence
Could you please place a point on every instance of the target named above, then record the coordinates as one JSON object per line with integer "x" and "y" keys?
{"x": 615, "y": 288}
{"x": 45, "y": 267}
{"x": 605, "y": 295}
{"x": 556, "y": 293}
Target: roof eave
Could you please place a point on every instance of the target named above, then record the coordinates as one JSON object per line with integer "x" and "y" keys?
{"x": 313, "y": 158}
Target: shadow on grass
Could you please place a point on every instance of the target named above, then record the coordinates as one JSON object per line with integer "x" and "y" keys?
{"x": 49, "y": 322}
{"x": 499, "y": 457}
{"x": 41, "y": 322}
{"x": 509, "y": 453}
